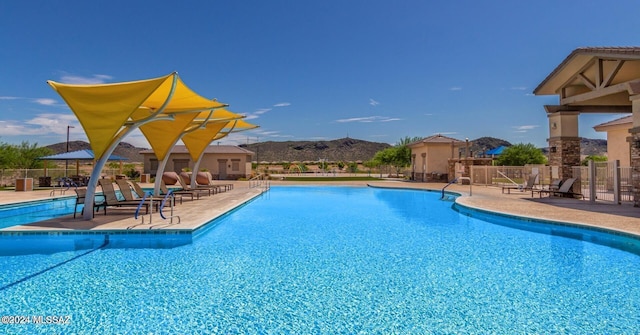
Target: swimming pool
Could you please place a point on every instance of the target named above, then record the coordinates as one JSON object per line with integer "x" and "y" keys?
{"x": 36, "y": 210}
{"x": 327, "y": 260}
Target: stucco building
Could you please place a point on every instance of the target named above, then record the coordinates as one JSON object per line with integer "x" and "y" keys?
{"x": 430, "y": 157}
{"x": 592, "y": 80}
{"x": 618, "y": 139}
{"x": 222, "y": 161}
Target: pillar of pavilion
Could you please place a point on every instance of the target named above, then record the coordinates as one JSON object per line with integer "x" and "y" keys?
{"x": 592, "y": 80}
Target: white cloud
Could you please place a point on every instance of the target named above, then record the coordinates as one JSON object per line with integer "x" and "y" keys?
{"x": 45, "y": 101}
{"x": 282, "y": 104}
{"x": 455, "y": 88}
{"x": 95, "y": 79}
{"x": 519, "y": 88}
{"x": 368, "y": 119}
{"x": 9, "y": 98}
{"x": 42, "y": 124}
{"x": 525, "y": 128}
{"x": 262, "y": 111}
{"x": 373, "y": 102}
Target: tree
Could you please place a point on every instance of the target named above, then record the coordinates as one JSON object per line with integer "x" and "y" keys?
{"x": 521, "y": 154}
{"x": 22, "y": 156}
{"x": 594, "y": 158}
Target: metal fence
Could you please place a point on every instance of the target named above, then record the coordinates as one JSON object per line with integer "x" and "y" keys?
{"x": 509, "y": 175}
{"x": 604, "y": 181}
{"x": 8, "y": 176}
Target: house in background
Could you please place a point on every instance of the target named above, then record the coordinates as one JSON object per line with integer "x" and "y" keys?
{"x": 222, "y": 161}
{"x": 618, "y": 139}
{"x": 430, "y": 157}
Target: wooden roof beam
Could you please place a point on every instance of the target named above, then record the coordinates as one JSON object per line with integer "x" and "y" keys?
{"x": 633, "y": 87}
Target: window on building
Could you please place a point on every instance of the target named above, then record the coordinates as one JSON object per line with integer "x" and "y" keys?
{"x": 235, "y": 165}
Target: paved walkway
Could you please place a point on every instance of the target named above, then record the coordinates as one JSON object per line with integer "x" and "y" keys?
{"x": 193, "y": 214}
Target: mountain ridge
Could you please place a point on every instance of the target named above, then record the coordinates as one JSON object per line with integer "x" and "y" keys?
{"x": 343, "y": 149}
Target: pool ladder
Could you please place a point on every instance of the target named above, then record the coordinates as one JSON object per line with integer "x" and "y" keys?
{"x": 169, "y": 196}
{"x": 445, "y": 186}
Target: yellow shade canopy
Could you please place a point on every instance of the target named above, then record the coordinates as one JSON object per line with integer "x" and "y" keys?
{"x": 197, "y": 141}
{"x": 104, "y": 109}
{"x": 162, "y": 135}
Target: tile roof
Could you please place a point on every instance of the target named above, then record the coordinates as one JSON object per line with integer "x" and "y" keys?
{"x": 438, "y": 138}
{"x": 623, "y": 120}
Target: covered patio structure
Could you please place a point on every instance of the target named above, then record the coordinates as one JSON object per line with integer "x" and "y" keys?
{"x": 77, "y": 156}
{"x": 163, "y": 108}
{"x": 592, "y": 80}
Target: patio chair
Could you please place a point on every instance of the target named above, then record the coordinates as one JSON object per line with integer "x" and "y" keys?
{"x": 111, "y": 199}
{"x": 137, "y": 189}
{"x": 126, "y": 191}
{"x": 565, "y": 189}
{"x": 81, "y": 194}
{"x": 164, "y": 190}
{"x": 198, "y": 191}
{"x": 528, "y": 185}
{"x": 208, "y": 180}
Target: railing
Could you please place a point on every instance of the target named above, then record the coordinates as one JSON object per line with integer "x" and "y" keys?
{"x": 8, "y": 176}
{"x": 507, "y": 175}
{"x": 168, "y": 196}
{"x": 260, "y": 181}
{"x": 607, "y": 182}
{"x": 445, "y": 186}
{"x": 62, "y": 185}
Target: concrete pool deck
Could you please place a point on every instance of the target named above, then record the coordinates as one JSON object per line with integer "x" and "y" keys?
{"x": 193, "y": 214}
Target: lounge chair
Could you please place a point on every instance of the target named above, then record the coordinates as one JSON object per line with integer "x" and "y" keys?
{"x": 111, "y": 199}
{"x": 184, "y": 180}
{"x": 81, "y": 194}
{"x": 565, "y": 189}
{"x": 164, "y": 190}
{"x": 197, "y": 191}
{"x": 528, "y": 185}
{"x": 125, "y": 189}
{"x": 208, "y": 180}
{"x": 137, "y": 189}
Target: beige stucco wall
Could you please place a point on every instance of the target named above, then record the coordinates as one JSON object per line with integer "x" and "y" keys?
{"x": 618, "y": 147}
{"x": 563, "y": 124}
{"x": 437, "y": 157}
{"x": 211, "y": 162}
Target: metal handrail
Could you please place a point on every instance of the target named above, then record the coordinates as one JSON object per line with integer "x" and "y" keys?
{"x": 451, "y": 182}
{"x": 169, "y": 195}
{"x": 144, "y": 197}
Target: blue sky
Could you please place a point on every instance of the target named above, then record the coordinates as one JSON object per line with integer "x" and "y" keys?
{"x": 310, "y": 70}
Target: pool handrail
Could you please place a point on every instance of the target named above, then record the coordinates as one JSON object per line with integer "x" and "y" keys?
{"x": 144, "y": 197}
{"x": 445, "y": 186}
{"x": 168, "y": 196}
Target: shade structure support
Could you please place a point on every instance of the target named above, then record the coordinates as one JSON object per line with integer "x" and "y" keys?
{"x": 163, "y": 163}
{"x": 196, "y": 166}
{"x": 102, "y": 161}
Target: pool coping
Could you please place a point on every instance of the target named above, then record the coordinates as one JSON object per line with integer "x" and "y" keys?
{"x": 195, "y": 230}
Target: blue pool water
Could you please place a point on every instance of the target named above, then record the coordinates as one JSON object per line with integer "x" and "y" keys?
{"x": 35, "y": 211}
{"x": 337, "y": 260}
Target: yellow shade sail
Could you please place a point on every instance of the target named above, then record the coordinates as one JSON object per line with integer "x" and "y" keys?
{"x": 163, "y": 134}
{"x": 197, "y": 141}
{"x": 105, "y": 109}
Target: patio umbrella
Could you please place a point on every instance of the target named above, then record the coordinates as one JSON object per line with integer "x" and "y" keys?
{"x": 79, "y": 155}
